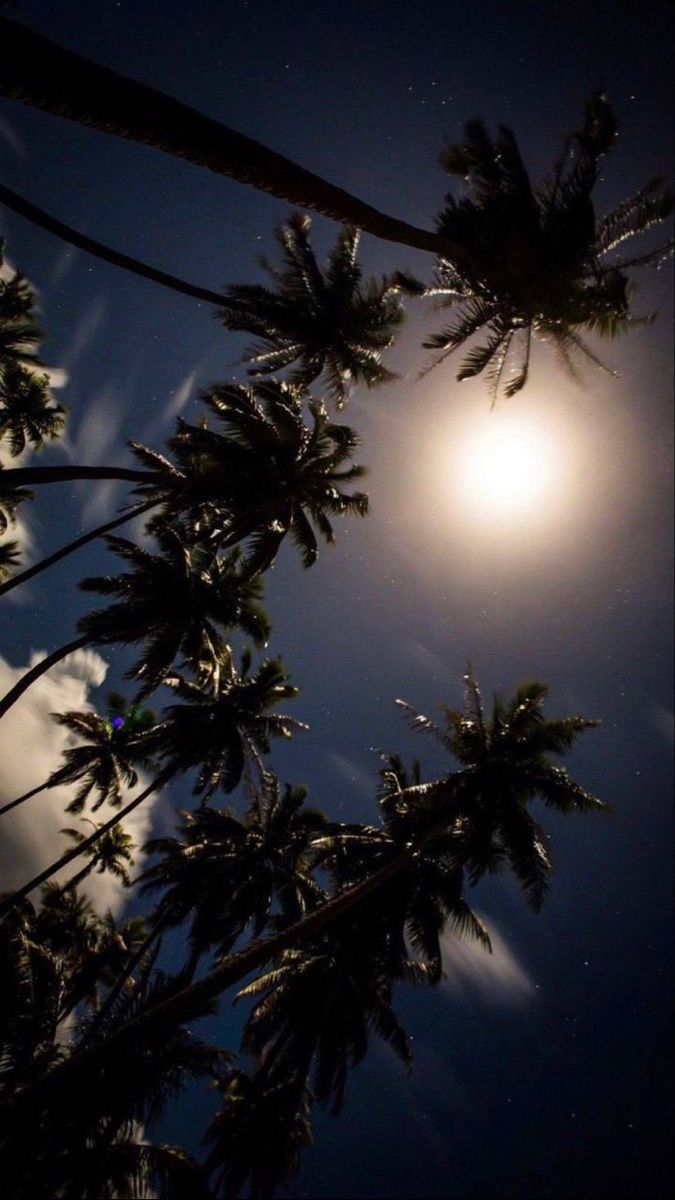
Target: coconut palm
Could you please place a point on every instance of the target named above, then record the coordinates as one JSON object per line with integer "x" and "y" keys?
{"x": 535, "y": 261}
{"x": 106, "y": 761}
{"x": 225, "y": 721}
{"x": 173, "y": 602}
{"x": 506, "y": 762}
{"x": 226, "y": 874}
{"x": 268, "y": 473}
{"x": 27, "y": 415}
{"x": 326, "y": 322}
{"x": 33, "y": 66}
{"x": 259, "y": 1111}
{"x": 9, "y": 558}
{"x": 86, "y": 1147}
{"x": 20, "y": 334}
{"x": 109, "y": 853}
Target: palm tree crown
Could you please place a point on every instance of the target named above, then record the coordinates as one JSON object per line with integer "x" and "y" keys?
{"x": 505, "y": 763}
{"x": 225, "y": 721}
{"x": 174, "y": 602}
{"x": 269, "y": 473}
{"x": 535, "y": 261}
{"x": 328, "y": 323}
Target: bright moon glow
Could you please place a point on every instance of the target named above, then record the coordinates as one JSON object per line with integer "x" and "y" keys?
{"x": 507, "y": 470}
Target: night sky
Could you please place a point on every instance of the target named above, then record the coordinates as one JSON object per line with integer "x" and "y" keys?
{"x": 543, "y": 1074}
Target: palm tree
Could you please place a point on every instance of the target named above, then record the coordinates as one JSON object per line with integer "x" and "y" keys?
{"x": 172, "y": 602}
{"x": 328, "y": 323}
{"x": 225, "y": 721}
{"x": 113, "y": 747}
{"x": 27, "y": 416}
{"x": 36, "y": 71}
{"x": 535, "y": 256}
{"x": 268, "y": 474}
{"x": 515, "y": 751}
{"x": 227, "y": 873}
{"x": 108, "y": 854}
{"x": 9, "y": 558}
{"x": 20, "y": 333}
{"x": 259, "y": 1132}
{"x": 505, "y": 763}
{"x": 90, "y": 1146}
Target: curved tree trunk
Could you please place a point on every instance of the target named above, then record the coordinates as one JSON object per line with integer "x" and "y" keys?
{"x": 41, "y": 73}
{"x": 49, "y": 561}
{"x": 35, "y": 476}
{"x": 39, "y": 217}
{"x": 83, "y": 847}
{"x": 39, "y": 669}
{"x": 184, "y": 1003}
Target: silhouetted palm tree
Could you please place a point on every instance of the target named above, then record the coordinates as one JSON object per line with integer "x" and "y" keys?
{"x": 35, "y": 70}
{"x": 505, "y": 761}
{"x": 226, "y": 874}
{"x": 223, "y": 722}
{"x": 535, "y": 256}
{"x": 326, "y": 322}
{"x": 259, "y": 1111}
{"x": 267, "y": 474}
{"x": 113, "y": 747}
{"x": 28, "y": 417}
{"x": 172, "y": 602}
{"x": 109, "y": 854}
{"x": 20, "y": 333}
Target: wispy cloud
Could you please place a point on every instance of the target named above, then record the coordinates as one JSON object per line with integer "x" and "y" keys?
{"x": 663, "y": 720}
{"x": 474, "y": 974}
{"x": 359, "y": 779}
{"x": 84, "y": 333}
{"x": 30, "y": 747}
{"x": 14, "y": 141}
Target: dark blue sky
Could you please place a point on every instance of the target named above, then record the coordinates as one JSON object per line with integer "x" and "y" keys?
{"x": 550, "y": 1083}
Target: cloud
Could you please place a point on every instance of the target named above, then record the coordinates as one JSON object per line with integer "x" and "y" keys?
{"x": 8, "y": 134}
{"x": 663, "y": 720}
{"x": 474, "y": 974}
{"x": 30, "y": 747}
{"x": 349, "y": 770}
{"x": 179, "y": 397}
{"x": 84, "y": 333}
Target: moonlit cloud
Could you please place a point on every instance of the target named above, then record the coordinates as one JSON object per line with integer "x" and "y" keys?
{"x": 359, "y": 779}
{"x": 474, "y": 974}
{"x": 663, "y": 720}
{"x": 8, "y": 134}
{"x": 84, "y": 333}
{"x": 30, "y": 747}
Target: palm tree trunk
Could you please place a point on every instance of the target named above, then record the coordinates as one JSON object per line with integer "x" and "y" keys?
{"x": 39, "y": 217}
{"x": 35, "y": 476}
{"x": 78, "y": 877}
{"x": 83, "y": 847}
{"x": 39, "y": 669}
{"x": 41, "y": 73}
{"x": 49, "y": 561}
{"x": 26, "y": 796}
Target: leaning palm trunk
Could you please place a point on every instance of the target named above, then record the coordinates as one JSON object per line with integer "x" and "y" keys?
{"x": 87, "y": 844}
{"x": 41, "y": 73}
{"x": 192, "y": 999}
{"x": 38, "y": 670}
{"x": 35, "y": 476}
{"x": 49, "y": 561}
{"x": 39, "y": 217}
{"x": 41, "y": 787}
